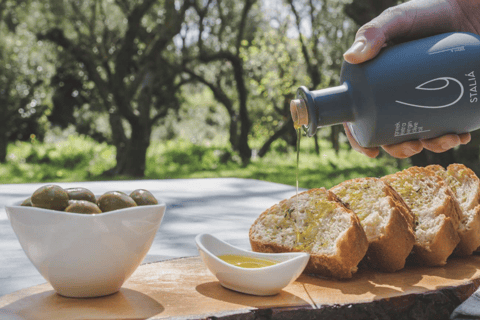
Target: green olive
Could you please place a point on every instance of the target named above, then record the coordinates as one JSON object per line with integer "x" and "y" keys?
{"x": 115, "y": 200}
{"x": 143, "y": 197}
{"x": 27, "y": 202}
{"x": 82, "y": 206}
{"x": 81, "y": 194}
{"x": 50, "y": 197}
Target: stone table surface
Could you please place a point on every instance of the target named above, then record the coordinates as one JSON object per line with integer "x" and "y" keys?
{"x": 224, "y": 207}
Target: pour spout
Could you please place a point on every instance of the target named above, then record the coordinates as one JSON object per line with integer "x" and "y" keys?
{"x": 299, "y": 112}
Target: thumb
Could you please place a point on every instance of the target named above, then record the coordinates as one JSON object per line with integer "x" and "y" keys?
{"x": 392, "y": 23}
{"x": 410, "y": 20}
{"x": 368, "y": 43}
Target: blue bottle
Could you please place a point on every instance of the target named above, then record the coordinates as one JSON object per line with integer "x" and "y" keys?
{"x": 415, "y": 90}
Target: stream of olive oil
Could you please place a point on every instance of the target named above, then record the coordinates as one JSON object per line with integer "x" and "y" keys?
{"x": 299, "y": 135}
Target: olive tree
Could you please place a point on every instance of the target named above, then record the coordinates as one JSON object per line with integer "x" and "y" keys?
{"x": 219, "y": 30}
{"x": 126, "y": 54}
{"x": 328, "y": 35}
{"x": 24, "y": 69}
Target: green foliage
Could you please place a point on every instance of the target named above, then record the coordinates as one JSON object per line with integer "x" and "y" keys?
{"x": 200, "y": 119}
{"x": 181, "y": 159}
{"x": 325, "y": 170}
{"x": 25, "y": 67}
{"x": 79, "y": 158}
{"x": 198, "y": 80}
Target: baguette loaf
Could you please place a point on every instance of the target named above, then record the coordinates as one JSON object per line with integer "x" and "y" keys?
{"x": 437, "y": 214}
{"x": 386, "y": 219}
{"x": 465, "y": 186}
{"x": 317, "y": 223}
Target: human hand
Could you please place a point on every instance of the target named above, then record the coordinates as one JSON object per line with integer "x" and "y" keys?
{"x": 413, "y": 20}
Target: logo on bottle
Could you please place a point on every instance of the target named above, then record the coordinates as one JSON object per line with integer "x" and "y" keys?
{"x": 442, "y": 80}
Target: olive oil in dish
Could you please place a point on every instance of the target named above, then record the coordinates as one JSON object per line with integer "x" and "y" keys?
{"x": 246, "y": 262}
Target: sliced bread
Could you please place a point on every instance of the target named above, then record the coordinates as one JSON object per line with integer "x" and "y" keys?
{"x": 315, "y": 222}
{"x": 386, "y": 219}
{"x": 466, "y": 187}
{"x": 437, "y": 213}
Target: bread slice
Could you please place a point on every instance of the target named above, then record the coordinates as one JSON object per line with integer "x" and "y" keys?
{"x": 466, "y": 187}
{"x": 386, "y": 219}
{"x": 437, "y": 214}
{"x": 318, "y": 223}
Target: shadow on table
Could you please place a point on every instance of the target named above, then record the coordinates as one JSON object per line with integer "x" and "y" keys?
{"x": 369, "y": 284}
{"x": 125, "y": 304}
{"x": 364, "y": 283}
{"x": 215, "y": 291}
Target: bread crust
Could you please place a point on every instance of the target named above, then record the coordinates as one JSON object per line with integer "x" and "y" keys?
{"x": 470, "y": 235}
{"x": 402, "y": 205}
{"x": 351, "y": 245}
{"x": 469, "y": 229}
{"x": 389, "y": 250}
{"x": 435, "y": 252}
{"x": 472, "y": 176}
{"x": 442, "y": 246}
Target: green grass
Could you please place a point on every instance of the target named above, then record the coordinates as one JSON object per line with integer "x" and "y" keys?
{"x": 75, "y": 159}
{"x": 81, "y": 159}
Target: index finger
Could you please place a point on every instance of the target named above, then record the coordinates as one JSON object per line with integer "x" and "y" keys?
{"x": 369, "y": 152}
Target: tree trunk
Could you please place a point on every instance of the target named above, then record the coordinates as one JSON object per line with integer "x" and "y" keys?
{"x": 120, "y": 142}
{"x": 334, "y": 137}
{"x": 245, "y": 123}
{"x": 3, "y": 147}
{"x": 233, "y": 131}
{"x": 134, "y": 157}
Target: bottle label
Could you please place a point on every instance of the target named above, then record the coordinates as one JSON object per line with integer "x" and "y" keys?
{"x": 468, "y": 89}
{"x": 472, "y": 87}
{"x": 407, "y": 128}
{"x": 439, "y": 84}
{"x": 444, "y": 83}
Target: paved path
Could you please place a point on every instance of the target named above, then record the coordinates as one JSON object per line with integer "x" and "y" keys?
{"x": 224, "y": 207}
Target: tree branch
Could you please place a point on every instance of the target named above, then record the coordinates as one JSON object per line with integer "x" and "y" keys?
{"x": 311, "y": 68}
{"x": 243, "y": 21}
{"x": 57, "y": 36}
{"x": 218, "y": 93}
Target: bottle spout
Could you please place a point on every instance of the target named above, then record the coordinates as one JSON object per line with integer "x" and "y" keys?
{"x": 299, "y": 112}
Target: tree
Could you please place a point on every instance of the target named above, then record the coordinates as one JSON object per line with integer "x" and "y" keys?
{"x": 275, "y": 69}
{"x": 126, "y": 49}
{"x": 223, "y": 27}
{"x": 330, "y": 34}
{"x": 23, "y": 72}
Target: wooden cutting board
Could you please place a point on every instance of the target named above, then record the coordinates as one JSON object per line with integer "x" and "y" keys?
{"x": 185, "y": 289}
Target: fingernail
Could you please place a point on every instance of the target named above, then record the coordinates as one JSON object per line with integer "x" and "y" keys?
{"x": 356, "y": 48}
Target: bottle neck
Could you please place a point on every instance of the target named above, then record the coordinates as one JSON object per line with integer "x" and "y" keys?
{"x": 327, "y": 106}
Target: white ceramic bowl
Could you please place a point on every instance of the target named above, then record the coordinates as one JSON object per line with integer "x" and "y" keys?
{"x": 257, "y": 281}
{"x": 84, "y": 255}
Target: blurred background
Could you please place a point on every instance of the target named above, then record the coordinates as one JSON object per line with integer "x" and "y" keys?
{"x": 162, "y": 89}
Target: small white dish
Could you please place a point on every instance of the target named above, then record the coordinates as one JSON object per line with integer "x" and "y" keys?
{"x": 86, "y": 255}
{"x": 256, "y": 281}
